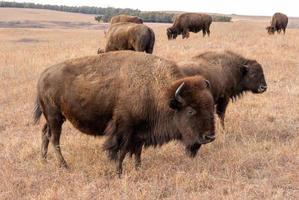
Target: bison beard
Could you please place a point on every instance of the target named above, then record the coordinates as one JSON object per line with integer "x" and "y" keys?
{"x": 96, "y": 93}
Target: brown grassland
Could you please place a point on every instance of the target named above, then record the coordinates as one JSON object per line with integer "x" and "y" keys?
{"x": 255, "y": 157}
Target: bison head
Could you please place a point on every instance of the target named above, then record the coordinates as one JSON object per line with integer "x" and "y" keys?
{"x": 270, "y": 30}
{"x": 194, "y": 112}
{"x": 171, "y": 34}
{"x": 253, "y": 77}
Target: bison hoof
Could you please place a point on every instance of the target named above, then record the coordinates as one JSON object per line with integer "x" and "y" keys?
{"x": 100, "y": 51}
{"x": 63, "y": 165}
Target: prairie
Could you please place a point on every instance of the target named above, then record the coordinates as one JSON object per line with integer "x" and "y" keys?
{"x": 255, "y": 157}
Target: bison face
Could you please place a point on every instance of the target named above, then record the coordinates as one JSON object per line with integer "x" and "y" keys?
{"x": 171, "y": 34}
{"x": 194, "y": 113}
{"x": 270, "y": 30}
{"x": 253, "y": 77}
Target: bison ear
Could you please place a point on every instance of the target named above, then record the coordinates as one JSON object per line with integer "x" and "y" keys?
{"x": 244, "y": 69}
{"x": 177, "y": 102}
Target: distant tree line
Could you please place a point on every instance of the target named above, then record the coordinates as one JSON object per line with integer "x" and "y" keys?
{"x": 105, "y": 14}
{"x": 221, "y": 18}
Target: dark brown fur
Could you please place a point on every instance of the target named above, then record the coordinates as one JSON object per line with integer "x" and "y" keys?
{"x": 126, "y": 18}
{"x": 279, "y": 23}
{"x": 128, "y": 96}
{"x": 230, "y": 75}
{"x": 129, "y": 36}
{"x": 190, "y": 22}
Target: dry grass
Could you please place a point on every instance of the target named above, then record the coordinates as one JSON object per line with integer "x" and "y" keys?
{"x": 256, "y": 157}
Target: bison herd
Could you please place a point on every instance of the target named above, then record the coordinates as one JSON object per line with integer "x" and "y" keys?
{"x": 129, "y": 33}
{"x": 140, "y": 100}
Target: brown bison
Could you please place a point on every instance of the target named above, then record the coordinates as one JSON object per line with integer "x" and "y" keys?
{"x": 135, "y": 99}
{"x": 189, "y": 22}
{"x": 129, "y": 36}
{"x": 279, "y": 22}
{"x": 230, "y": 75}
{"x": 126, "y": 18}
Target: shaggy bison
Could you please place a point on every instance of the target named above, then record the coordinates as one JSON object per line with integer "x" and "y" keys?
{"x": 129, "y": 36}
{"x": 126, "y": 18}
{"x": 186, "y": 22}
{"x": 230, "y": 75}
{"x": 135, "y": 99}
{"x": 279, "y": 22}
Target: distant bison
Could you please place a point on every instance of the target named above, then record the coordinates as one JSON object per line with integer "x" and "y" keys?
{"x": 279, "y": 22}
{"x": 230, "y": 75}
{"x": 189, "y": 22}
{"x": 129, "y": 36}
{"x": 135, "y": 99}
{"x": 126, "y": 18}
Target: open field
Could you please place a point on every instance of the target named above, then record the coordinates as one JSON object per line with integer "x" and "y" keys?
{"x": 256, "y": 157}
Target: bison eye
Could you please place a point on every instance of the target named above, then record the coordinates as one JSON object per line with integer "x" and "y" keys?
{"x": 191, "y": 112}
{"x": 252, "y": 74}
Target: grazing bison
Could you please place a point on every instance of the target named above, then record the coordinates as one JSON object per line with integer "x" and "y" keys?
{"x": 135, "y": 99}
{"x": 186, "y": 22}
{"x": 230, "y": 75}
{"x": 126, "y": 18}
{"x": 279, "y": 22}
{"x": 129, "y": 36}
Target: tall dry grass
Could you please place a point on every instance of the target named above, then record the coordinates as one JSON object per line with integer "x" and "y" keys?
{"x": 256, "y": 157}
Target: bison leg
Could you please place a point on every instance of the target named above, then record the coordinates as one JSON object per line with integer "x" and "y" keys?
{"x": 138, "y": 150}
{"x": 204, "y": 32}
{"x": 118, "y": 143}
{"x": 46, "y": 134}
{"x": 139, "y": 47}
{"x": 185, "y": 33}
{"x": 208, "y": 31}
{"x": 221, "y": 108}
{"x": 122, "y": 155}
{"x": 55, "y": 124}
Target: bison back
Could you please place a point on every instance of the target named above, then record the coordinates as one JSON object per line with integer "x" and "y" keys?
{"x": 130, "y": 36}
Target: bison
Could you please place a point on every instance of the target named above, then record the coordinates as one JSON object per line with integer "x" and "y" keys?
{"x": 279, "y": 22}
{"x": 136, "y": 99}
{"x": 186, "y": 22}
{"x": 126, "y": 18}
{"x": 129, "y": 36}
{"x": 230, "y": 75}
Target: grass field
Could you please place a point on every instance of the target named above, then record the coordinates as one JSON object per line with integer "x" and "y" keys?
{"x": 256, "y": 157}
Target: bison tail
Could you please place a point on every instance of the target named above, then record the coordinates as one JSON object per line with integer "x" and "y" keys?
{"x": 150, "y": 47}
{"x": 37, "y": 112}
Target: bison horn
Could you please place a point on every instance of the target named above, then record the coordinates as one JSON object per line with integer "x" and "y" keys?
{"x": 208, "y": 83}
{"x": 245, "y": 66}
{"x": 177, "y": 93}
